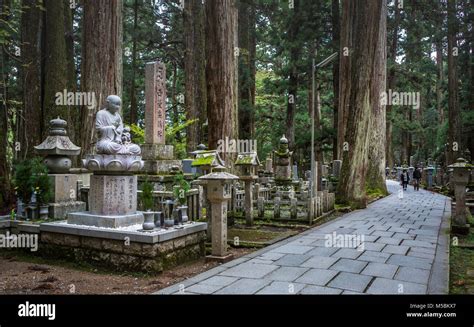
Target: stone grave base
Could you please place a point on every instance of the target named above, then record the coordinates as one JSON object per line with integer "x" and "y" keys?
{"x": 160, "y": 166}
{"x": 123, "y": 249}
{"x": 89, "y": 219}
{"x": 157, "y": 151}
{"x": 62, "y": 209}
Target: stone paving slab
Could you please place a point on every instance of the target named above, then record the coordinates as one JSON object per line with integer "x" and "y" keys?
{"x": 405, "y": 250}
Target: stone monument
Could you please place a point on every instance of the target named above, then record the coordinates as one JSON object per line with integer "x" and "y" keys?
{"x": 58, "y": 149}
{"x": 460, "y": 179}
{"x": 113, "y": 186}
{"x": 249, "y": 163}
{"x": 283, "y": 163}
{"x": 157, "y": 156}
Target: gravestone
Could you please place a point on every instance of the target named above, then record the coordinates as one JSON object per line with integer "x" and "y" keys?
{"x": 157, "y": 156}
{"x": 276, "y": 207}
{"x": 336, "y": 168}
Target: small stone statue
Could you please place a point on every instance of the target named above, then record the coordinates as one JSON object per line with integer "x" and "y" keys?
{"x": 113, "y": 137}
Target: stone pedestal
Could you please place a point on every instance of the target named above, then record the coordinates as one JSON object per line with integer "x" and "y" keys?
{"x": 157, "y": 151}
{"x": 64, "y": 196}
{"x": 248, "y": 203}
{"x": 112, "y": 203}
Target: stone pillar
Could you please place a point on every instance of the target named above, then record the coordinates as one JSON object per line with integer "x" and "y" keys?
{"x": 276, "y": 207}
{"x": 460, "y": 178}
{"x": 310, "y": 208}
{"x": 248, "y": 203}
{"x": 157, "y": 156}
{"x": 155, "y": 106}
{"x": 269, "y": 165}
{"x": 219, "y": 229}
{"x": 261, "y": 206}
{"x": 293, "y": 208}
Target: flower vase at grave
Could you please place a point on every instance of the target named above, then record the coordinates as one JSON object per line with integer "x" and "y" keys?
{"x": 149, "y": 223}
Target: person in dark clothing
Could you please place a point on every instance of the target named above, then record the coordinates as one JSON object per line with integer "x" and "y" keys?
{"x": 404, "y": 178}
{"x": 417, "y": 177}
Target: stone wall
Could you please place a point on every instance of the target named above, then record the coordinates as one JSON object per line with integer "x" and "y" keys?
{"x": 119, "y": 256}
{"x": 114, "y": 254}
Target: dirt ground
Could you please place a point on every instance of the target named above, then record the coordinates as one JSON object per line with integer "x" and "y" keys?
{"x": 31, "y": 275}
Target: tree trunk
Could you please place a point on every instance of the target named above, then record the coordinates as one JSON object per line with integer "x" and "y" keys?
{"x": 336, "y": 33}
{"x": 133, "y": 91}
{"x": 377, "y": 141}
{"x": 246, "y": 70}
{"x": 6, "y": 189}
{"x": 55, "y": 64}
{"x": 220, "y": 70}
{"x": 346, "y": 42}
{"x": 101, "y": 60}
{"x": 295, "y": 51}
{"x": 74, "y": 113}
{"x": 391, "y": 85}
{"x": 367, "y": 28}
{"x": 454, "y": 130}
{"x": 29, "y": 120}
{"x": 195, "y": 72}
{"x": 439, "y": 81}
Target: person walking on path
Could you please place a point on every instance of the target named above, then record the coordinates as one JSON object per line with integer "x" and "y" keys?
{"x": 404, "y": 178}
{"x": 417, "y": 178}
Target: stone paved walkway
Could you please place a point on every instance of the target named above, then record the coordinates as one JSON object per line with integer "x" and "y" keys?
{"x": 405, "y": 251}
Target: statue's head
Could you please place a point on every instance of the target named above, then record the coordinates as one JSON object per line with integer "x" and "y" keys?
{"x": 113, "y": 103}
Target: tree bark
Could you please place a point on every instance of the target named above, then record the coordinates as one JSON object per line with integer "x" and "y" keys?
{"x": 101, "y": 60}
{"x": 220, "y": 70}
{"x": 454, "y": 129}
{"x": 347, "y": 24}
{"x": 6, "y": 189}
{"x": 367, "y": 28}
{"x": 133, "y": 91}
{"x": 336, "y": 35}
{"x": 246, "y": 70}
{"x": 195, "y": 72}
{"x": 391, "y": 81}
{"x": 55, "y": 64}
{"x": 377, "y": 141}
{"x": 295, "y": 51}
{"x": 29, "y": 119}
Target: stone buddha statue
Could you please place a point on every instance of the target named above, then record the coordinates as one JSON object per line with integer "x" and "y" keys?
{"x": 111, "y": 131}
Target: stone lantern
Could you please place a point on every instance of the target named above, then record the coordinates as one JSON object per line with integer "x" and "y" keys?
{"x": 249, "y": 163}
{"x": 429, "y": 176}
{"x": 219, "y": 193}
{"x": 460, "y": 179}
{"x": 58, "y": 148}
{"x": 283, "y": 162}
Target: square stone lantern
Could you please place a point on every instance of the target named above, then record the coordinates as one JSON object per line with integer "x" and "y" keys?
{"x": 205, "y": 159}
{"x": 218, "y": 193}
{"x": 460, "y": 178}
{"x": 249, "y": 163}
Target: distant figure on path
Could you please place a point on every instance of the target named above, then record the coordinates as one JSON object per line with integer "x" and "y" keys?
{"x": 404, "y": 179}
{"x": 417, "y": 177}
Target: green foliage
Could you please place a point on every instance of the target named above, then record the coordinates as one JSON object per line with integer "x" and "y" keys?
{"x": 23, "y": 181}
{"x": 181, "y": 187}
{"x": 147, "y": 195}
{"x": 41, "y": 181}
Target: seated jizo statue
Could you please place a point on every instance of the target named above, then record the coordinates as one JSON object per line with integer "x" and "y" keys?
{"x": 114, "y": 138}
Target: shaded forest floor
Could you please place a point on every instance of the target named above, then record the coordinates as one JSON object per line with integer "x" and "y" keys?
{"x": 27, "y": 274}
